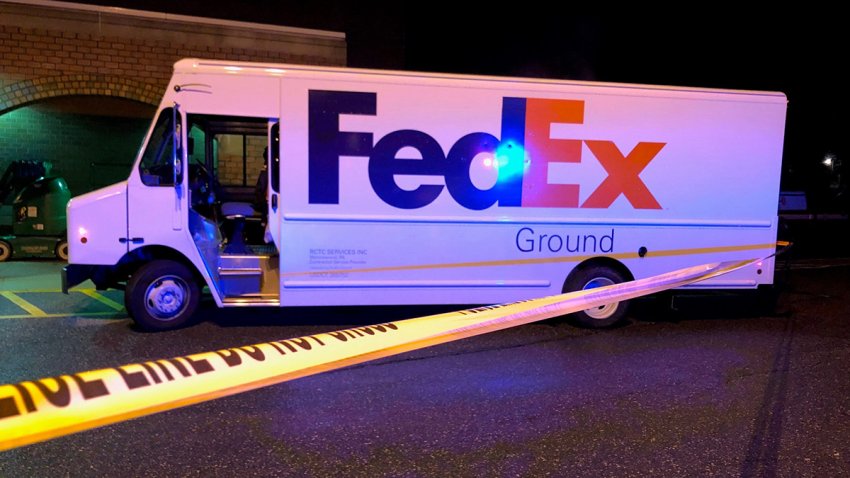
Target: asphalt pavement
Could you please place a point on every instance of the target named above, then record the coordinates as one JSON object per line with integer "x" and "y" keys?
{"x": 716, "y": 387}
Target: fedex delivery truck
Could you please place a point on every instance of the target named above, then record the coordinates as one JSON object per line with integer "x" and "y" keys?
{"x": 292, "y": 185}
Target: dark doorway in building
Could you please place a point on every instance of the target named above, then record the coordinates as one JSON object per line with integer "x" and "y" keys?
{"x": 91, "y": 141}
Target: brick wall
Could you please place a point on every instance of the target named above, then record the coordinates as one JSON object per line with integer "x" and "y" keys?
{"x": 51, "y": 51}
{"x": 39, "y": 63}
{"x": 230, "y": 168}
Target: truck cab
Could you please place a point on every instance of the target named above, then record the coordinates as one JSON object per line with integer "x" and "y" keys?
{"x": 194, "y": 211}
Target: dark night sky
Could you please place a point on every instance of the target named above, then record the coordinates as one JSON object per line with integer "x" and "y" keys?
{"x": 799, "y": 57}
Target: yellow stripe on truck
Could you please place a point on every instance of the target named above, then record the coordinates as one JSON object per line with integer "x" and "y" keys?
{"x": 34, "y": 411}
{"x": 543, "y": 260}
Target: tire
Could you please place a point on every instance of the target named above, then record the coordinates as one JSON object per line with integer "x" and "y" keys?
{"x": 5, "y": 251}
{"x": 162, "y": 295}
{"x": 591, "y": 277}
{"x": 62, "y": 250}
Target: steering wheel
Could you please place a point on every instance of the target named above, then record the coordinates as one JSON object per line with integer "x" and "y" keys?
{"x": 203, "y": 186}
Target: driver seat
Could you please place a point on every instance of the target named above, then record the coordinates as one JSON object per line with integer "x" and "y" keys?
{"x": 239, "y": 212}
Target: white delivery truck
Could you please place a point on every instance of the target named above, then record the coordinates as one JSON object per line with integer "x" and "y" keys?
{"x": 411, "y": 188}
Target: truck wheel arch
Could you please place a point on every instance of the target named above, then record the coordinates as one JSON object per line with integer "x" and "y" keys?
{"x": 135, "y": 259}
{"x": 111, "y": 276}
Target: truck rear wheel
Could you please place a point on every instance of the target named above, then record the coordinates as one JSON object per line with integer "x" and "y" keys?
{"x": 5, "y": 251}
{"x": 592, "y": 277}
{"x": 162, "y": 295}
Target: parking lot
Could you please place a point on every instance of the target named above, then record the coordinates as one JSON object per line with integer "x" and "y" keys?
{"x": 32, "y": 290}
{"x": 712, "y": 388}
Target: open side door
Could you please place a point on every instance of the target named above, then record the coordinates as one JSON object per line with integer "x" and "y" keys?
{"x": 273, "y": 170}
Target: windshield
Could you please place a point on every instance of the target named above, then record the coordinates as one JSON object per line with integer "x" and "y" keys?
{"x": 156, "y": 167}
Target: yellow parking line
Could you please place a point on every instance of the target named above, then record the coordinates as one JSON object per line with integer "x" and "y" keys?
{"x": 102, "y": 299}
{"x": 55, "y": 316}
{"x": 34, "y": 290}
{"x": 48, "y": 290}
{"x": 33, "y": 310}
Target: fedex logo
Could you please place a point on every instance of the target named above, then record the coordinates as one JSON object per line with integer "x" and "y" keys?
{"x": 522, "y": 154}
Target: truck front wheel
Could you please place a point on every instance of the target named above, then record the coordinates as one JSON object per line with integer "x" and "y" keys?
{"x": 592, "y": 277}
{"x": 162, "y": 295}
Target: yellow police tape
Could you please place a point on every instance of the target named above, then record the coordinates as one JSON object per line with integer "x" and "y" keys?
{"x": 39, "y": 410}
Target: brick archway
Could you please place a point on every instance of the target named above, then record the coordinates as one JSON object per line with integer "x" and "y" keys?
{"x": 24, "y": 92}
{"x": 94, "y": 61}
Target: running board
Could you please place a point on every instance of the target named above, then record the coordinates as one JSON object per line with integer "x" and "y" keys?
{"x": 250, "y": 301}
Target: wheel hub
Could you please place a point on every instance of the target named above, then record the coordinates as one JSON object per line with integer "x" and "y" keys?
{"x": 165, "y": 297}
{"x": 603, "y": 311}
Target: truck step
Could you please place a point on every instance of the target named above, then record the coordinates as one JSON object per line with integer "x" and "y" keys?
{"x": 251, "y": 278}
{"x": 240, "y": 271}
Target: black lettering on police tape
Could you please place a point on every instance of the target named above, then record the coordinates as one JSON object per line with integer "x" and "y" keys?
{"x": 199, "y": 366}
{"x": 344, "y": 335}
{"x": 25, "y": 395}
{"x": 491, "y": 307}
{"x": 472, "y": 311}
{"x": 339, "y": 336}
{"x": 151, "y": 373}
{"x": 8, "y": 407}
{"x": 302, "y": 342}
{"x": 480, "y": 309}
{"x": 133, "y": 379}
{"x": 254, "y": 352}
{"x": 59, "y": 398}
{"x": 231, "y": 358}
{"x": 90, "y": 388}
{"x": 164, "y": 370}
{"x": 384, "y": 327}
{"x": 94, "y": 388}
{"x": 180, "y": 367}
{"x": 275, "y": 346}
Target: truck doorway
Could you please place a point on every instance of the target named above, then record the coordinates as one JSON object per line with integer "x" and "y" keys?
{"x": 229, "y": 160}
